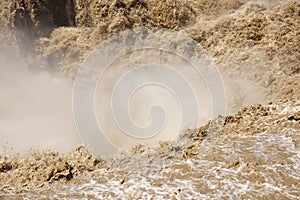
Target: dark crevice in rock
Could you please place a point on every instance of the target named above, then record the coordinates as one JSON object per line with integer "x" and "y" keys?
{"x": 38, "y": 18}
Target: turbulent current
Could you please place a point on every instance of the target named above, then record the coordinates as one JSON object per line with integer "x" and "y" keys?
{"x": 205, "y": 163}
{"x": 251, "y": 151}
{"x": 262, "y": 166}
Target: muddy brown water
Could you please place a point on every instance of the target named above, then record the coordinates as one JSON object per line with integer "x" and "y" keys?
{"x": 253, "y": 154}
{"x": 205, "y": 163}
{"x": 262, "y": 166}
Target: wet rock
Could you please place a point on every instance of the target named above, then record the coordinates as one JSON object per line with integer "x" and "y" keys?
{"x": 4, "y": 167}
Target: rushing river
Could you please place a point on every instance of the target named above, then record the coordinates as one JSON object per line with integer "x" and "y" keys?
{"x": 261, "y": 166}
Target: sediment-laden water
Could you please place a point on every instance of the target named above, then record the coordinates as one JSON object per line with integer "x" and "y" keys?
{"x": 251, "y": 153}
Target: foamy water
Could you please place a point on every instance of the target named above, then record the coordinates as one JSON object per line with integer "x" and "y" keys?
{"x": 244, "y": 166}
{"x": 261, "y": 166}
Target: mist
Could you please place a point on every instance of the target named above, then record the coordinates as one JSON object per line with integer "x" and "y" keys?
{"x": 35, "y": 108}
{"x": 36, "y": 105}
